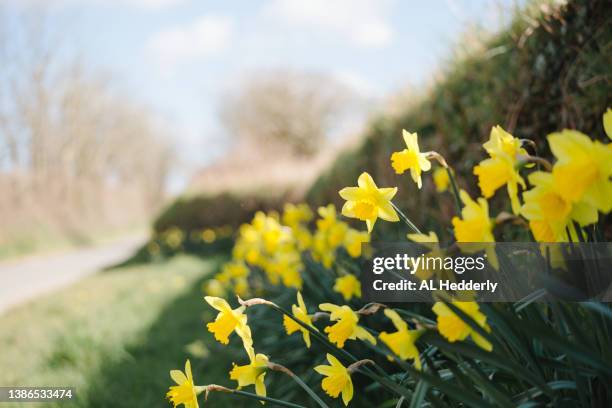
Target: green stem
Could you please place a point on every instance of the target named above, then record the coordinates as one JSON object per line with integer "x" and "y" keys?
{"x": 453, "y": 182}
{"x": 298, "y": 380}
{"x": 406, "y": 219}
{"x": 267, "y": 399}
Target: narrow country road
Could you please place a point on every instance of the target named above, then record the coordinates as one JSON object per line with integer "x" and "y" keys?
{"x": 24, "y": 279}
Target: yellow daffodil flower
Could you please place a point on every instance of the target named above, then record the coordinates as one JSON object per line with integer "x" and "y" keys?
{"x": 353, "y": 241}
{"x": 294, "y": 215}
{"x": 292, "y": 278}
{"x": 583, "y": 169}
{"x": 453, "y": 328}
{"x": 348, "y": 286}
{"x": 475, "y": 226}
{"x": 228, "y": 321}
{"x": 441, "y": 179}
{"x": 236, "y": 269}
{"x": 301, "y": 313}
{"x": 503, "y": 143}
{"x": 185, "y": 392}
{"x": 337, "y": 379}
{"x": 346, "y": 326}
{"x": 253, "y": 373}
{"x": 549, "y": 213}
{"x": 331, "y": 233}
{"x": 607, "y": 122}
{"x": 402, "y": 342}
{"x": 501, "y": 168}
{"x": 241, "y": 287}
{"x": 411, "y": 158}
{"x": 213, "y": 288}
{"x": 367, "y": 202}
{"x": 494, "y": 173}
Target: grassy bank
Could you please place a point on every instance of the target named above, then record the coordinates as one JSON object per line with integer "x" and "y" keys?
{"x": 115, "y": 336}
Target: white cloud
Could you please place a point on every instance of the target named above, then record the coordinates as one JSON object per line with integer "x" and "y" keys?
{"x": 206, "y": 36}
{"x": 362, "y": 22}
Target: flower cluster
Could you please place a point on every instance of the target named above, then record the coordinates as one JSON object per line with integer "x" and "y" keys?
{"x": 556, "y": 200}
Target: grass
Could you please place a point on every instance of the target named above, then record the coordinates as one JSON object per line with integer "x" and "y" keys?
{"x": 114, "y": 336}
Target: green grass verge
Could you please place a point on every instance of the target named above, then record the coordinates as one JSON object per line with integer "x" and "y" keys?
{"x": 114, "y": 336}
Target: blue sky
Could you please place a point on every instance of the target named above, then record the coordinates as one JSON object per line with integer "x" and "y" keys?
{"x": 178, "y": 56}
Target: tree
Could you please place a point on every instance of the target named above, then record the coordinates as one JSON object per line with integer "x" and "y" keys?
{"x": 286, "y": 109}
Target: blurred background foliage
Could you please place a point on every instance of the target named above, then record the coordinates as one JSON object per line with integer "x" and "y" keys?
{"x": 549, "y": 70}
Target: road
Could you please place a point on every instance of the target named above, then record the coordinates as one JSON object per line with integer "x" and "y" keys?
{"x": 24, "y": 279}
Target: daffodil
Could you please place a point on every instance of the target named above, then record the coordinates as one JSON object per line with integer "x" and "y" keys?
{"x": 475, "y": 226}
{"x": 402, "y": 342}
{"x": 453, "y": 328}
{"x": 253, "y": 373}
{"x": 228, "y": 321}
{"x": 337, "y": 379}
{"x": 441, "y": 179}
{"x": 346, "y": 326}
{"x": 353, "y": 241}
{"x": 549, "y": 213}
{"x": 185, "y": 392}
{"x": 236, "y": 269}
{"x": 501, "y": 142}
{"x": 607, "y": 122}
{"x": 241, "y": 287}
{"x": 583, "y": 168}
{"x": 292, "y": 278}
{"x": 411, "y": 158}
{"x": 494, "y": 173}
{"x": 501, "y": 168}
{"x": 213, "y": 288}
{"x": 331, "y": 233}
{"x": 301, "y": 313}
{"x": 367, "y": 202}
{"x": 348, "y": 286}
{"x": 294, "y": 215}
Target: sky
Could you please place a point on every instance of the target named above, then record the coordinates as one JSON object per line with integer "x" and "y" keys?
{"x": 179, "y": 56}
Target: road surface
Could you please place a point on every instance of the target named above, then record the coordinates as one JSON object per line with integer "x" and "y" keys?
{"x": 24, "y": 279}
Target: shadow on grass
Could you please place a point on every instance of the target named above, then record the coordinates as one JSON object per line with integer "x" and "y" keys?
{"x": 139, "y": 377}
